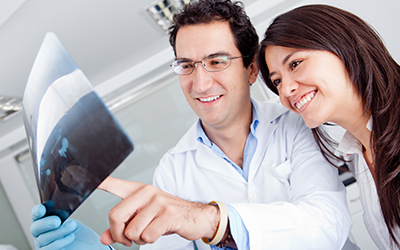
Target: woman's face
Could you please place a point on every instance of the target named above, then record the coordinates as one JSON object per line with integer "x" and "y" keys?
{"x": 312, "y": 83}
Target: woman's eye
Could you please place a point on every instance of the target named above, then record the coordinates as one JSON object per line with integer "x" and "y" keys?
{"x": 294, "y": 64}
{"x": 276, "y": 82}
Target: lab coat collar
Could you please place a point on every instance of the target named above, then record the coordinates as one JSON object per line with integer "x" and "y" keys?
{"x": 188, "y": 142}
{"x": 203, "y": 138}
{"x": 210, "y": 161}
{"x": 268, "y": 115}
{"x": 269, "y": 112}
{"x": 204, "y": 156}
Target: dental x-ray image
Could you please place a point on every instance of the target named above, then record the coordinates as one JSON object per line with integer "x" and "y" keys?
{"x": 74, "y": 140}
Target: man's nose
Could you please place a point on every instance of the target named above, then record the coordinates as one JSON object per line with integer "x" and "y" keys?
{"x": 202, "y": 80}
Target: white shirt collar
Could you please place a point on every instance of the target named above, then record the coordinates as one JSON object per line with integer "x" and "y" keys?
{"x": 350, "y": 144}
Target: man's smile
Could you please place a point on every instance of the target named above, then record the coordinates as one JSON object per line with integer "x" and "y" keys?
{"x": 209, "y": 99}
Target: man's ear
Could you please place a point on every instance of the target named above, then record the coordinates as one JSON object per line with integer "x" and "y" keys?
{"x": 253, "y": 71}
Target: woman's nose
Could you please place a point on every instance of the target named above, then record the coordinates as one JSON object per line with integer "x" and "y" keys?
{"x": 288, "y": 87}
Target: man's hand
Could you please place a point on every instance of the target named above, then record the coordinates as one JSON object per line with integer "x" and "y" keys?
{"x": 146, "y": 213}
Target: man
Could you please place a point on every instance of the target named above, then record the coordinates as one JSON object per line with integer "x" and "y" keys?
{"x": 273, "y": 188}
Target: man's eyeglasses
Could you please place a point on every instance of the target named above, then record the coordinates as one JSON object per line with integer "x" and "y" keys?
{"x": 210, "y": 63}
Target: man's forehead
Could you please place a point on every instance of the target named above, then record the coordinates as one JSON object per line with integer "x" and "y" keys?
{"x": 201, "y": 40}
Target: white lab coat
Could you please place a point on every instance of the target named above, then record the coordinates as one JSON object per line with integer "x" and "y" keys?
{"x": 293, "y": 198}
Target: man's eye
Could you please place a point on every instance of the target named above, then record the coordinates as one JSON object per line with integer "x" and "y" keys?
{"x": 217, "y": 61}
{"x": 294, "y": 64}
{"x": 186, "y": 65}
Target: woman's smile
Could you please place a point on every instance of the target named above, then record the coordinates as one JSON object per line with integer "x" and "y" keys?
{"x": 305, "y": 99}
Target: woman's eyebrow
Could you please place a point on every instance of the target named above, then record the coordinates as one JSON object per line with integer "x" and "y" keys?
{"x": 284, "y": 61}
{"x": 287, "y": 57}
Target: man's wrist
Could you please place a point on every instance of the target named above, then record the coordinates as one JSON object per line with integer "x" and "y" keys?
{"x": 219, "y": 224}
{"x": 227, "y": 240}
{"x": 213, "y": 217}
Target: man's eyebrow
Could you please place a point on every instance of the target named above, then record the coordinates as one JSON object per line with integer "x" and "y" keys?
{"x": 284, "y": 61}
{"x": 182, "y": 59}
{"x": 219, "y": 53}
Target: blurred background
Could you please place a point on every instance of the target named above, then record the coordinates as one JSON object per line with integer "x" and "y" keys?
{"x": 123, "y": 49}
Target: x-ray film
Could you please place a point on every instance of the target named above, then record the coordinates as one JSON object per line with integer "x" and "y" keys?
{"x": 74, "y": 140}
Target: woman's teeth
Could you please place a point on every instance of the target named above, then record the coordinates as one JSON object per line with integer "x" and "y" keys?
{"x": 304, "y": 100}
{"x": 209, "y": 99}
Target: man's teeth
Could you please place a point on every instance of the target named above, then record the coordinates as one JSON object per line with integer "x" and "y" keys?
{"x": 209, "y": 99}
{"x": 304, "y": 100}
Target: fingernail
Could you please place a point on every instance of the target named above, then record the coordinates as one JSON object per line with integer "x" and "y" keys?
{"x": 128, "y": 244}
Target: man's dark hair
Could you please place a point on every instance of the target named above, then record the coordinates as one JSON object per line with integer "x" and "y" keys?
{"x": 208, "y": 11}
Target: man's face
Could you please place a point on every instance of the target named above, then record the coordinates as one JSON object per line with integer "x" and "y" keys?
{"x": 219, "y": 98}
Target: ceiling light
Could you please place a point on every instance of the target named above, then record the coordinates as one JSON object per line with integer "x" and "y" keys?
{"x": 9, "y": 106}
{"x": 163, "y": 11}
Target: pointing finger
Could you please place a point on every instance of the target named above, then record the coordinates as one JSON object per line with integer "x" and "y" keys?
{"x": 120, "y": 188}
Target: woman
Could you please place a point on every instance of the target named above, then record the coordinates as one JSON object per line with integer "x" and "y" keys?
{"x": 328, "y": 65}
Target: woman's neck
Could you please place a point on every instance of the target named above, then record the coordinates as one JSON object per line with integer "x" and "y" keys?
{"x": 357, "y": 126}
{"x": 359, "y": 130}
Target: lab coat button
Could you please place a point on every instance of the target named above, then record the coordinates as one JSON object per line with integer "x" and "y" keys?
{"x": 252, "y": 196}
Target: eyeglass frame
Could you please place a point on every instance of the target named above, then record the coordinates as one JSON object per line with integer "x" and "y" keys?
{"x": 194, "y": 63}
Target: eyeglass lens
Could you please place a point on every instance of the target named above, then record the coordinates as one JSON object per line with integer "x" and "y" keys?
{"x": 212, "y": 64}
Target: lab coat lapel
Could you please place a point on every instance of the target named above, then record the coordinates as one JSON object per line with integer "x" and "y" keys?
{"x": 209, "y": 161}
{"x": 267, "y": 115}
{"x": 261, "y": 151}
{"x": 204, "y": 156}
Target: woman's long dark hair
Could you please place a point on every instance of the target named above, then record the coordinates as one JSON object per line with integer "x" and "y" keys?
{"x": 370, "y": 67}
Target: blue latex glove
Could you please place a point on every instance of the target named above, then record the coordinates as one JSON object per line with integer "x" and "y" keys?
{"x": 49, "y": 234}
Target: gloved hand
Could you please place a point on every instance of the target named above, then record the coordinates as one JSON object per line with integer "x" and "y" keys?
{"x": 49, "y": 234}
